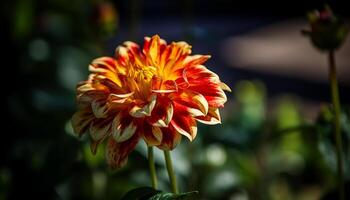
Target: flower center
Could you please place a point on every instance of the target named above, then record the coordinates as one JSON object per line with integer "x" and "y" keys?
{"x": 140, "y": 78}
{"x": 143, "y": 75}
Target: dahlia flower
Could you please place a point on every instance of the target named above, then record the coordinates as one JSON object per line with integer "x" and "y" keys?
{"x": 157, "y": 93}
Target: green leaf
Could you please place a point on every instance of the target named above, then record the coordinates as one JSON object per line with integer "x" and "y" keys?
{"x": 171, "y": 196}
{"x": 141, "y": 193}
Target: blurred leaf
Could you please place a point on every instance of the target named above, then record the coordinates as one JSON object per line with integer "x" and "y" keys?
{"x": 23, "y": 18}
{"x": 171, "y": 196}
{"x": 287, "y": 113}
{"x": 94, "y": 160}
{"x": 141, "y": 193}
{"x": 251, "y": 98}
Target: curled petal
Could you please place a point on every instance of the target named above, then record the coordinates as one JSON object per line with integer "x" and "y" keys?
{"x": 171, "y": 137}
{"x": 212, "y": 92}
{"x": 100, "y": 129}
{"x": 81, "y": 120}
{"x": 213, "y": 117}
{"x": 225, "y": 87}
{"x": 197, "y": 72}
{"x": 99, "y": 108}
{"x": 117, "y": 152}
{"x": 119, "y": 98}
{"x": 193, "y": 102}
{"x": 162, "y": 113}
{"x": 146, "y": 110}
{"x": 112, "y": 86}
{"x": 199, "y": 79}
{"x": 152, "y": 135}
{"x": 88, "y": 92}
{"x": 123, "y": 128}
{"x": 183, "y": 122}
{"x": 161, "y": 86}
{"x": 200, "y": 72}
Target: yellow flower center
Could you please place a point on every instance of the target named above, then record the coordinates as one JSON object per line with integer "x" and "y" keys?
{"x": 143, "y": 75}
{"x": 140, "y": 78}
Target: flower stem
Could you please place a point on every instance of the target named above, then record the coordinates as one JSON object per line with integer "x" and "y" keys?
{"x": 169, "y": 166}
{"x": 152, "y": 168}
{"x": 337, "y": 128}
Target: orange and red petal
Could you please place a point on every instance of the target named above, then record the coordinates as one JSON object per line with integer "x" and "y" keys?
{"x": 158, "y": 85}
{"x": 195, "y": 60}
{"x": 81, "y": 120}
{"x": 193, "y": 102}
{"x": 213, "y": 117}
{"x": 183, "y": 122}
{"x": 117, "y": 152}
{"x": 124, "y": 126}
{"x": 106, "y": 67}
{"x": 151, "y": 134}
{"x": 144, "y": 109}
{"x": 162, "y": 113}
{"x": 212, "y": 92}
{"x": 130, "y": 52}
{"x": 171, "y": 137}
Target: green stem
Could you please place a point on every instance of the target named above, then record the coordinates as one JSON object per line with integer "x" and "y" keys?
{"x": 337, "y": 128}
{"x": 169, "y": 166}
{"x": 152, "y": 168}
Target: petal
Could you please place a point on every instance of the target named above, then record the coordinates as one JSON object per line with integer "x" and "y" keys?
{"x": 134, "y": 53}
{"x": 146, "y": 45}
{"x": 123, "y": 128}
{"x": 119, "y": 98}
{"x": 152, "y": 135}
{"x": 146, "y": 110}
{"x": 99, "y": 130}
{"x": 193, "y": 102}
{"x": 158, "y": 85}
{"x": 103, "y": 64}
{"x": 106, "y": 67}
{"x": 212, "y": 92}
{"x": 173, "y": 56}
{"x": 198, "y": 72}
{"x": 132, "y": 47}
{"x": 196, "y": 60}
{"x": 122, "y": 56}
{"x": 117, "y": 152}
{"x": 81, "y": 120}
{"x": 162, "y": 112}
{"x": 184, "y": 123}
{"x": 99, "y": 108}
{"x": 87, "y": 91}
{"x": 225, "y": 87}
{"x": 153, "y": 51}
{"x": 170, "y": 138}
{"x": 213, "y": 117}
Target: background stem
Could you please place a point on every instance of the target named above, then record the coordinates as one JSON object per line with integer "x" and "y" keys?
{"x": 152, "y": 168}
{"x": 169, "y": 166}
{"x": 337, "y": 128}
